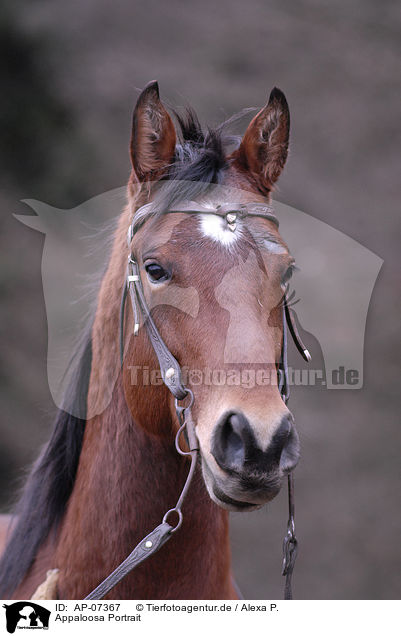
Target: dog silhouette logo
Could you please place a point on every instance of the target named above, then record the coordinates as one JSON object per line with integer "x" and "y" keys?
{"x": 26, "y": 615}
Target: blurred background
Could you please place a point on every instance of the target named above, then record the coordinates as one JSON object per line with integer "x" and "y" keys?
{"x": 71, "y": 72}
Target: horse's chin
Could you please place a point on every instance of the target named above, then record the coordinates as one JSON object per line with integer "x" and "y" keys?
{"x": 240, "y": 501}
{"x": 230, "y": 504}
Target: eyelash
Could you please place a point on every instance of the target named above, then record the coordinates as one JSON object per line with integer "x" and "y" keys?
{"x": 287, "y": 276}
{"x": 291, "y": 299}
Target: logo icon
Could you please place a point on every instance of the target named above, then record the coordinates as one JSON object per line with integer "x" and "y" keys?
{"x": 26, "y": 615}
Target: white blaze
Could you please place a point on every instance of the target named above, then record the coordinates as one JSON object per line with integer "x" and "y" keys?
{"x": 216, "y": 228}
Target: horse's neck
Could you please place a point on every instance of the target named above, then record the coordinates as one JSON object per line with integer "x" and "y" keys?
{"x": 126, "y": 481}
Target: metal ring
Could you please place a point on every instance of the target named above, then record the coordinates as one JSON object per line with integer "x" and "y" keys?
{"x": 188, "y": 392}
{"x": 179, "y": 513}
{"x": 177, "y": 441}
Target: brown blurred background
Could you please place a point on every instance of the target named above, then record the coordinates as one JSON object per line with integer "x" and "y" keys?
{"x": 70, "y": 76}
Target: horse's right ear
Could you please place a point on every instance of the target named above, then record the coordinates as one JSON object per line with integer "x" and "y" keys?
{"x": 153, "y": 136}
{"x": 264, "y": 147}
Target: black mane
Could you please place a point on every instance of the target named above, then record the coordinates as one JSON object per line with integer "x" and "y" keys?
{"x": 51, "y": 481}
{"x": 201, "y": 158}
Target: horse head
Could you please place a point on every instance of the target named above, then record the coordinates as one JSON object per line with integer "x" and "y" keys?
{"x": 215, "y": 280}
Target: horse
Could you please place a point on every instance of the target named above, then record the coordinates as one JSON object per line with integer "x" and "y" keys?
{"x": 110, "y": 472}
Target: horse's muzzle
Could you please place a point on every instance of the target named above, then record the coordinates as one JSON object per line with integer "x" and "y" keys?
{"x": 250, "y": 476}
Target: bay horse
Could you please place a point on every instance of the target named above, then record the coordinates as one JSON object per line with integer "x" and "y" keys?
{"x": 107, "y": 476}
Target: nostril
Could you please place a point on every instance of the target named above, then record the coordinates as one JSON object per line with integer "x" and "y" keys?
{"x": 236, "y": 450}
{"x": 231, "y": 441}
{"x": 290, "y": 452}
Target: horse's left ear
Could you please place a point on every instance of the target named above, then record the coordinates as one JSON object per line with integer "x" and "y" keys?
{"x": 153, "y": 136}
{"x": 264, "y": 147}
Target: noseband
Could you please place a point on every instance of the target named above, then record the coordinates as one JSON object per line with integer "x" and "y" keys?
{"x": 172, "y": 378}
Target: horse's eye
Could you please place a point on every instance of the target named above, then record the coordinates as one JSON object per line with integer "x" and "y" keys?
{"x": 156, "y": 273}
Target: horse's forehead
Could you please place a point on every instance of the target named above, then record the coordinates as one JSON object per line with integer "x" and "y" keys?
{"x": 158, "y": 232}
{"x": 249, "y": 270}
{"x": 212, "y": 230}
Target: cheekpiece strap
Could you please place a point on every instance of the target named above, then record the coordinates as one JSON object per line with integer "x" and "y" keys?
{"x": 169, "y": 367}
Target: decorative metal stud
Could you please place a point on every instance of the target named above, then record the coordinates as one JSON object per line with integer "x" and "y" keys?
{"x": 169, "y": 373}
{"x": 148, "y": 544}
{"x": 231, "y": 218}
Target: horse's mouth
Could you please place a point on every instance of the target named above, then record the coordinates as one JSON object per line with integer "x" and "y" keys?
{"x": 232, "y": 504}
{"x": 229, "y": 501}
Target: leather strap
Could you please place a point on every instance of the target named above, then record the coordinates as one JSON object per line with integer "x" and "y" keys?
{"x": 148, "y": 546}
{"x": 169, "y": 367}
{"x": 294, "y": 333}
{"x": 242, "y": 210}
{"x": 284, "y": 386}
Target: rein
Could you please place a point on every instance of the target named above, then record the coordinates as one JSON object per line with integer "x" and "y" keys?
{"x": 172, "y": 378}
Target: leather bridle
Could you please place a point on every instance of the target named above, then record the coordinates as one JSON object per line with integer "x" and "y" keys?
{"x": 172, "y": 378}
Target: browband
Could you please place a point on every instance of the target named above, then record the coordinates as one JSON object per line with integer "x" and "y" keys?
{"x": 229, "y": 211}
